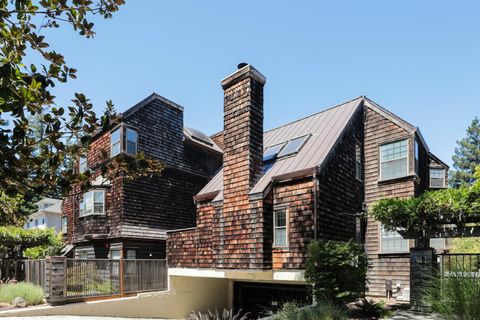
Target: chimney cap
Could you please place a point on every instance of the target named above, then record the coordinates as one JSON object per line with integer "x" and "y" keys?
{"x": 242, "y": 65}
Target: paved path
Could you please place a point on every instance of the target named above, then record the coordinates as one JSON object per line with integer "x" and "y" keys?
{"x": 70, "y": 318}
{"x": 409, "y": 315}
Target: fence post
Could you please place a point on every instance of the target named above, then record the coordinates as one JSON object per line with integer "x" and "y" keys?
{"x": 122, "y": 280}
{"x": 55, "y": 279}
{"x": 422, "y": 263}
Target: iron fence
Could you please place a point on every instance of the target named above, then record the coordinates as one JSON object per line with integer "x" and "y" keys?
{"x": 92, "y": 278}
{"x": 466, "y": 263}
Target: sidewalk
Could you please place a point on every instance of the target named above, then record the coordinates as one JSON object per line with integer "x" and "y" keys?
{"x": 409, "y": 315}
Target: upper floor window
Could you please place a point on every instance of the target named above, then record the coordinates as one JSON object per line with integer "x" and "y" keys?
{"x": 393, "y": 242}
{"x": 280, "y": 228}
{"x": 437, "y": 178}
{"x": 36, "y": 222}
{"x": 64, "y": 224}
{"x": 93, "y": 203}
{"x": 417, "y": 165}
{"x": 82, "y": 167}
{"x": 293, "y": 146}
{"x": 123, "y": 140}
{"x": 358, "y": 161}
{"x": 394, "y": 160}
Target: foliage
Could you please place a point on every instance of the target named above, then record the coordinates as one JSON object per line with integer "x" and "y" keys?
{"x": 323, "y": 311}
{"x": 455, "y": 296}
{"x": 14, "y": 209}
{"x": 372, "y": 309}
{"x": 418, "y": 216}
{"x": 467, "y": 157}
{"x": 217, "y": 315}
{"x": 51, "y": 249}
{"x": 465, "y": 245}
{"x": 32, "y": 294}
{"x": 337, "y": 270}
{"x": 14, "y": 240}
{"x": 35, "y": 164}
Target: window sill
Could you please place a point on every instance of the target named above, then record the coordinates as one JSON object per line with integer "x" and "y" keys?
{"x": 399, "y": 179}
{"x": 93, "y": 215}
{"x": 279, "y": 248}
{"x": 390, "y": 254}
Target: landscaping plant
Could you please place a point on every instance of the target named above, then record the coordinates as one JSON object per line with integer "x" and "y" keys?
{"x": 217, "y": 315}
{"x": 337, "y": 270}
{"x": 372, "y": 309}
{"x": 32, "y": 294}
{"x": 322, "y": 311}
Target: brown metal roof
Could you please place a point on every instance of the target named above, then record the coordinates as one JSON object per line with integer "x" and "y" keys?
{"x": 324, "y": 129}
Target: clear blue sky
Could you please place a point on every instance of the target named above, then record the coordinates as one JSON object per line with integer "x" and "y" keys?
{"x": 420, "y": 59}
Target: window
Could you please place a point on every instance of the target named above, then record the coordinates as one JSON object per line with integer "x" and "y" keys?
{"x": 293, "y": 146}
{"x": 115, "y": 142}
{"x": 358, "y": 161}
{"x": 394, "y": 160}
{"x": 28, "y": 225}
{"x": 417, "y": 165}
{"x": 36, "y": 222}
{"x": 272, "y": 152}
{"x": 393, "y": 242}
{"x": 43, "y": 221}
{"x": 115, "y": 254}
{"x": 280, "y": 228}
{"x": 82, "y": 164}
{"x": 131, "y": 254}
{"x": 83, "y": 255}
{"x": 64, "y": 224}
{"x": 123, "y": 140}
{"x": 437, "y": 178}
{"x": 93, "y": 203}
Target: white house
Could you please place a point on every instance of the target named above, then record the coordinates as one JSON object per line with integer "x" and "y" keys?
{"x": 48, "y": 215}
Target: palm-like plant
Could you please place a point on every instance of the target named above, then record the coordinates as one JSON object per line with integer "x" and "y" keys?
{"x": 217, "y": 315}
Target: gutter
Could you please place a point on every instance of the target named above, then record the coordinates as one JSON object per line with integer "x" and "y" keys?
{"x": 315, "y": 204}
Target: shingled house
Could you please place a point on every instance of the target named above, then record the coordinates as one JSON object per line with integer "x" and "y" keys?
{"x": 308, "y": 179}
{"x": 132, "y": 217}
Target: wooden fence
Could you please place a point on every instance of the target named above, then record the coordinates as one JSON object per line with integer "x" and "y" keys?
{"x": 80, "y": 279}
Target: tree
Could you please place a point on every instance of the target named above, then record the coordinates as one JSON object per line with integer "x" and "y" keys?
{"x": 467, "y": 157}
{"x": 14, "y": 240}
{"x": 14, "y": 209}
{"x": 35, "y": 165}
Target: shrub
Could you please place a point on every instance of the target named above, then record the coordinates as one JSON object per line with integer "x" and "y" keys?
{"x": 32, "y": 294}
{"x": 216, "y": 315}
{"x": 338, "y": 270}
{"x": 455, "y": 296}
{"x": 372, "y": 309}
{"x": 323, "y": 311}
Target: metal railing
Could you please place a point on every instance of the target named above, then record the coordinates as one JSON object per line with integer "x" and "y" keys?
{"x": 144, "y": 275}
{"x": 466, "y": 263}
{"x": 92, "y": 278}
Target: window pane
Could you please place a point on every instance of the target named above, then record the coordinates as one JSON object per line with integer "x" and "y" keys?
{"x": 115, "y": 254}
{"x": 394, "y": 150}
{"x": 392, "y": 241}
{"x": 394, "y": 169}
{"x": 115, "y": 136}
{"x": 99, "y": 196}
{"x": 437, "y": 173}
{"x": 98, "y": 208}
{"x": 280, "y": 218}
{"x": 293, "y": 146}
{"x": 272, "y": 152}
{"x": 358, "y": 161}
{"x": 131, "y": 141}
{"x": 281, "y": 237}
{"x": 115, "y": 149}
{"x": 83, "y": 164}
{"x": 115, "y": 142}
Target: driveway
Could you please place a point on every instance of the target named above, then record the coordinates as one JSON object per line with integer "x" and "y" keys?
{"x": 409, "y": 315}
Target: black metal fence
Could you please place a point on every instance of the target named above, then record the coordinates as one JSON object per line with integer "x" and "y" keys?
{"x": 467, "y": 263}
{"x": 144, "y": 275}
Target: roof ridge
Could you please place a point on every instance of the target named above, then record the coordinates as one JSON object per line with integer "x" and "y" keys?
{"x": 314, "y": 114}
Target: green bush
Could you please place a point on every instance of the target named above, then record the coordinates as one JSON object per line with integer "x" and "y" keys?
{"x": 337, "y": 269}
{"x": 217, "y": 315}
{"x": 32, "y": 294}
{"x": 323, "y": 311}
{"x": 372, "y": 309}
{"x": 456, "y": 295}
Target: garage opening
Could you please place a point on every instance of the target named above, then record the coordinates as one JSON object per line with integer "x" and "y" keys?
{"x": 260, "y": 298}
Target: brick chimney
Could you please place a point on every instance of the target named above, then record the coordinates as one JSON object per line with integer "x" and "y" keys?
{"x": 242, "y": 165}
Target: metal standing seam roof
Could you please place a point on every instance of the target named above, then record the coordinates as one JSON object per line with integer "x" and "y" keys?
{"x": 324, "y": 129}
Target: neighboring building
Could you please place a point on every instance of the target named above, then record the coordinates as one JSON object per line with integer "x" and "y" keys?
{"x": 130, "y": 218}
{"x": 48, "y": 215}
{"x": 308, "y": 179}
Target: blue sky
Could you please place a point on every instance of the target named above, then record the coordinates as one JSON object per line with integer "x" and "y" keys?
{"x": 419, "y": 59}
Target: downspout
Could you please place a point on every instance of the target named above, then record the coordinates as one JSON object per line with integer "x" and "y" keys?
{"x": 315, "y": 204}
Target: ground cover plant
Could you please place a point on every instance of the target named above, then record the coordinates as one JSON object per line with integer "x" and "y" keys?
{"x": 32, "y": 294}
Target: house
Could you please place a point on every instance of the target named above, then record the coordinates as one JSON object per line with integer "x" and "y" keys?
{"x": 48, "y": 215}
{"x": 130, "y": 218}
{"x": 308, "y": 179}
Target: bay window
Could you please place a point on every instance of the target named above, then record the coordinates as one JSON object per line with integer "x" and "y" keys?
{"x": 124, "y": 140}
{"x": 93, "y": 202}
{"x": 437, "y": 178}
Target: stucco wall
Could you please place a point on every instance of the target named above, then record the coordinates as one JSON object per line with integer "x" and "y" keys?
{"x": 186, "y": 294}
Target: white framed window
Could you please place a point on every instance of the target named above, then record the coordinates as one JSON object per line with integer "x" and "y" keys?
{"x": 93, "y": 202}
{"x": 64, "y": 224}
{"x": 358, "y": 161}
{"x": 123, "y": 140}
{"x": 280, "y": 237}
{"x": 417, "y": 164}
{"x": 437, "y": 178}
{"x": 393, "y": 242}
{"x": 82, "y": 167}
{"x": 394, "y": 160}
{"x": 36, "y": 222}
{"x": 115, "y": 142}
{"x": 115, "y": 254}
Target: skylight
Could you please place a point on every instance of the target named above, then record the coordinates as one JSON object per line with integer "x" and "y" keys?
{"x": 293, "y": 146}
{"x": 272, "y": 152}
